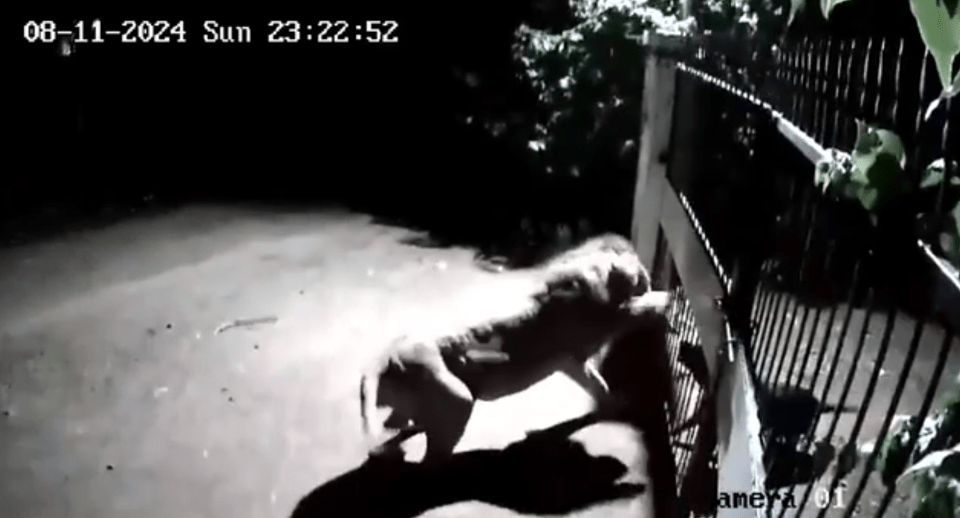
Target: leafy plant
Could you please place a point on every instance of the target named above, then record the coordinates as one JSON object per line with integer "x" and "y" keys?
{"x": 873, "y": 173}
{"x": 940, "y": 29}
{"x": 934, "y": 460}
{"x": 587, "y": 77}
{"x": 933, "y": 176}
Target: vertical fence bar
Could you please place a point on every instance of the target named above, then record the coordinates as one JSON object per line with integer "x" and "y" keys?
{"x": 878, "y": 90}
{"x": 786, "y": 320}
{"x": 865, "y": 80}
{"x": 760, "y": 309}
{"x": 828, "y": 80}
{"x": 918, "y": 122}
{"x": 822, "y": 354}
{"x": 851, "y": 373}
{"x": 914, "y": 433}
{"x": 897, "y": 78}
{"x": 888, "y": 418}
{"x": 835, "y": 361}
{"x": 775, "y": 344}
{"x": 769, "y": 321}
{"x": 806, "y": 88}
{"x": 867, "y": 397}
{"x": 808, "y": 349}
{"x": 823, "y": 67}
{"x": 808, "y": 241}
{"x": 940, "y": 209}
{"x": 795, "y": 81}
{"x": 847, "y": 103}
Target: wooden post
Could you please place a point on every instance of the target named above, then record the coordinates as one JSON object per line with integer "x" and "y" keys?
{"x": 656, "y": 126}
{"x": 656, "y": 123}
{"x": 659, "y": 207}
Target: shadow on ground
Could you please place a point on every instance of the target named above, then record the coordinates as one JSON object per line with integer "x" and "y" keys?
{"x": 788, "y": 467}
{"x": 550, "y": 474}
{"x": 546, "y": 473}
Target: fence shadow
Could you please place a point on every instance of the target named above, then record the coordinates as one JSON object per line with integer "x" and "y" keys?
{"x": 547, "y": 475}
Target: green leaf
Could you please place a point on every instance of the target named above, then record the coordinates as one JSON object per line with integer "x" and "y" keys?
{"x": 869, "y": 197}
{"x": 934, "y": 173}
{"x": 950, "y": 467}
{"x": 871, "y": 139}
{"x": 954, "y": 236}
{"x": 878, "y": 160}
{"x": 795, "y": 7}
{"x": 894, "y": 452}
{"x": 924, "y": 485}
{"x": 867, "y": 140}
{"x": 946, "y": 94}
{"x": 826, "y": 6}
{"x": 886, "y": 175}
{"x": 890, "y": 143}
{"x": 951, "y": 7}
{"x": 931, "y": 461}
{"x": 828, "y": 169}
{"x": 940, "y": 502}
{"x": 940, "y": 31}
{"x": 956, "y": 216}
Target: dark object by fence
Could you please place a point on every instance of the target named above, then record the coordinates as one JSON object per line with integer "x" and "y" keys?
{"x": 788, "y": 412}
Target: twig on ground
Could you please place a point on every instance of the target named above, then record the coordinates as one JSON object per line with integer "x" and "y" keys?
{"x": 245, "y": 322}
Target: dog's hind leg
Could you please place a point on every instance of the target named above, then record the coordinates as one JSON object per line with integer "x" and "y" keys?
{"x": 446, "y": 406}
{"x": 402, "y": 422}
{"x": 391, "y": 448}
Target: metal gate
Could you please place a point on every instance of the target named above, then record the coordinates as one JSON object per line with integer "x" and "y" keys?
{"x": 806, "y": 336}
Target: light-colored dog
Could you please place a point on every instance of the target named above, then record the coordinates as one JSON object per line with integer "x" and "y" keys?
{"x": 590, "y": 295}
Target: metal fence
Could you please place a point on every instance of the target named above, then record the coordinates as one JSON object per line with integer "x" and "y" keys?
{"x": 846, "y": 325}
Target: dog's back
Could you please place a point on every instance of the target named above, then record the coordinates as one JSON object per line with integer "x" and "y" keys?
{"x": 534, "y": 347}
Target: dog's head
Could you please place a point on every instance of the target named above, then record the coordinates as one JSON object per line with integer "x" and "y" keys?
{"x": 604, "y": 269}
{"x": 609, "y": 286}
{"x": 626, "y": 278}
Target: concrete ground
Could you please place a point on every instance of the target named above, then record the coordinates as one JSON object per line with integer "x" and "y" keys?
{"x": 118, "y": 398}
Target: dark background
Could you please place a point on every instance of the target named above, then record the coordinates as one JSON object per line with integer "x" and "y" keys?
{"x": 375, "y": 126}
{"x": 371, "y": 125}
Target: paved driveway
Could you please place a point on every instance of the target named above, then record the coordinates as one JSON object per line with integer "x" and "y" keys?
{"x": 119, "y": 399}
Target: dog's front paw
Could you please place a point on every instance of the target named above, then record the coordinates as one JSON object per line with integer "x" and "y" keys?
{"x": 651, "y": 302}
